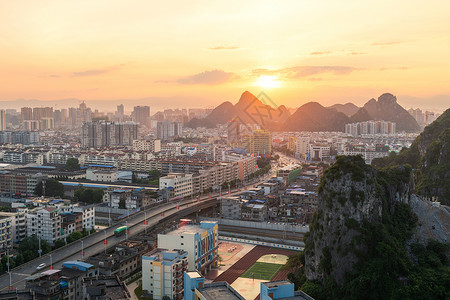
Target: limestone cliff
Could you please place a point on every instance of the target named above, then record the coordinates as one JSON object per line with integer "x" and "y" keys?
{"x": 351, "y": 194}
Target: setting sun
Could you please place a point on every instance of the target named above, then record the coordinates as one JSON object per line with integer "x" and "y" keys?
{"x": 268, "y": 81}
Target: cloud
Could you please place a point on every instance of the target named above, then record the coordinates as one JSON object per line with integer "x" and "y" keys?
{"x": 317, "y": 53}
{"x": 94, "y": 72}
{"x": 314, "y": 79}
{"x": 225, "y": 48}
{"x": 209, "y": 78}
{"x": 394, "y": 68}
{"x": 305, "y": 71}
{"x": 356, "y": 53}
{"x": 386, "y": 43}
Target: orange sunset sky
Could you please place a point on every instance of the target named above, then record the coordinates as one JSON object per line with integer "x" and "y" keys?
{"x": 200, "y": 53}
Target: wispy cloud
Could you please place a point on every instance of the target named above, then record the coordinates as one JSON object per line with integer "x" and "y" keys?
{"x": 356, "y": 53}
{"x": 94, "y": 72}
{"x": 305, "y": 71}
{"x": 394, "y": 68}
{"x": 319, "y": 53}
{"x": 224, "y": 48}
{"x": 209, "y": 78}
{"x": 386, "y": 43}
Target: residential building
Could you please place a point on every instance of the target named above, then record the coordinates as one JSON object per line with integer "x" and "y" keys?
{"x": 319, "y": 152}
{"x": 6, "y": 233}
{"x": 2, "y": 119}
{"x": 180, "y": 183}
{"x": 14, "y": 182}
{"x": 162, "y": 273}
{"x": 18, "y": 224}
{"x": 103, "y": 133}
{"x": 289, "y": 173}
{"x": 45, "y": 223}
{"x": 371, "y": 127}
{"x": 200, "y": 241}
{"x": 230, "y": 207}
{"x": 141, "y": 115}
{"x": 166, "y": 129}
{"x": 147, "y": 145}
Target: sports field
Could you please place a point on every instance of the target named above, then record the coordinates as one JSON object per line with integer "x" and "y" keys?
{"x": 262, "y": 270}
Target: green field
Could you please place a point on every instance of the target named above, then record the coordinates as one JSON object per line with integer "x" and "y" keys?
{"x": 263, "y": 271}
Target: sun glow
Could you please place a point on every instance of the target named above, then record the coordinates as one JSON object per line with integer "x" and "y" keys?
{"x": 268, "y": 81}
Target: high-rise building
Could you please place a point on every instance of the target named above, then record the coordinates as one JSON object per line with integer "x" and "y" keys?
{"x": 141, "y": 115}
{"x": 120, "y": 112}
{"x": 166, "y": 129}
{"x": 258, "y": 143}
{"x": 103, "y": 134}
{"x": 26, "y": 113}
{"x": 370, "y": 127}
{"x": 2, "y": 119}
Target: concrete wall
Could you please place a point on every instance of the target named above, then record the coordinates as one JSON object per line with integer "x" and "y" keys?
{"x": 267, "y": 244}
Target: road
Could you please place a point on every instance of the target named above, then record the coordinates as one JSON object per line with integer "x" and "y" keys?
{"x": 94, "y": 243}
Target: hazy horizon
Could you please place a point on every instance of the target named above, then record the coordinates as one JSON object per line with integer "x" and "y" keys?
{"x": 183, "y": 54}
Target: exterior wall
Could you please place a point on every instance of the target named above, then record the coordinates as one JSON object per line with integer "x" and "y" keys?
{"x": 6, "y": 234}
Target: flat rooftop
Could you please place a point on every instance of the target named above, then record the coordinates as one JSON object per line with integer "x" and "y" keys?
{"x": 194, "y": 274}
{"x": 272, "y": 284}
{"x": 187, "y": 229}
{"x": 219, "y": 291}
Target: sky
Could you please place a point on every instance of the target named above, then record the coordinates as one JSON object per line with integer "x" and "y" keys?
{"x": 200, "y": 53}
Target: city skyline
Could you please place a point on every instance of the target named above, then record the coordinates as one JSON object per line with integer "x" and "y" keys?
{"x": 298, "y": 52}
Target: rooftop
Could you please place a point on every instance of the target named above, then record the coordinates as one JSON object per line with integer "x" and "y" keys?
{"x": 219, "y": 291}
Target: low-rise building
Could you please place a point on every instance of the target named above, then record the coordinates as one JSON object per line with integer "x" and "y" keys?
{"x": 6, "y": 234}
{"x": 180, "y": 183}
{"x": 45, "y": 223}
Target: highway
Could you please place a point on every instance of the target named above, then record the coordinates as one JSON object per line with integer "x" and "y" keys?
{"x": 94, "y": 243}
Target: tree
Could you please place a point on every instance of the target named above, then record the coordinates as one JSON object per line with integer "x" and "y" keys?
{"x": 59, "y": 243}
{"x": 29, "y": 247}
{"x": 122, "y": 203}
{"x": 53, "y": 188}
{"x": 72, "y": 164}
{"x": 88, "y": 195}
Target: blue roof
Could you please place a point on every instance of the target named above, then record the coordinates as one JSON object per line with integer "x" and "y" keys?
{"x": 44, "y": 167}
{"x": 77, "y": 264}
{"x": 56, "y": 201}
{"x": 102, "y": 166}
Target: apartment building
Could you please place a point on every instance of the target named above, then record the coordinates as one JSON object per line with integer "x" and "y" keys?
{"x": 18, "y": 224}
{"x": 15, "y": 182}
{"x": 162, "y": 273}
{"x": 200, "y": 241}
{"x": 147, "y": 145}
{"x": 180, "y": 183}
{"x": 6, "y": 233}
{"x": 45, "y": 223}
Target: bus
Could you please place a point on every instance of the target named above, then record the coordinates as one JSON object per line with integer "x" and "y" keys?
{"x": 120, "y": 231}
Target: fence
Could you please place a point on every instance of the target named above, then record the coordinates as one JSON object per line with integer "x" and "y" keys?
{"x": 260, "y": 243}
{"x": 260, "y": 225}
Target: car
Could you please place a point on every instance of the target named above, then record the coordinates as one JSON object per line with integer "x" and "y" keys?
{"x": 41, "y": 266}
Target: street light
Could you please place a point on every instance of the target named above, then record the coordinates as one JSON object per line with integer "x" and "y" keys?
{"x": 82, "y": 249}
{"x": 51, "y": 262}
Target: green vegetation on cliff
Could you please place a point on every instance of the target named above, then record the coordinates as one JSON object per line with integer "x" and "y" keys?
{"x": 429, "y": 155}
{"x": 367, "y": 237}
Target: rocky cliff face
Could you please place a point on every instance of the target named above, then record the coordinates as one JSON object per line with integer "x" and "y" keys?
{"x": 351, "y": 194}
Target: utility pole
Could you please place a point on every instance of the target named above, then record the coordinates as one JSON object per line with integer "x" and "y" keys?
{"x": 40, "y": 250}
{"x": 126, "y": 230}
{"x": 10, "y": 283}
{"x": 109, "y": 215}
{"x": 51, "y": 262}
{"x": 82, "y": 249}
{"x": 105, "y": 241}
{"x": 145, "y": 221}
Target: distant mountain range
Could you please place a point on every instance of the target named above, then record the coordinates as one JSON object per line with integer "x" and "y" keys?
{"x": 311, "y": 116}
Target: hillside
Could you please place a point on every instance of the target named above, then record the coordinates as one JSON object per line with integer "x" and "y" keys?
{"x": 387, "y": 108}
{"x": 429, "y": 155}
{"x": 314, "y": 117}
{"x": 349, "y": 109}
{"x": 365, "y": 239}
{"x": 249, "y": 110}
